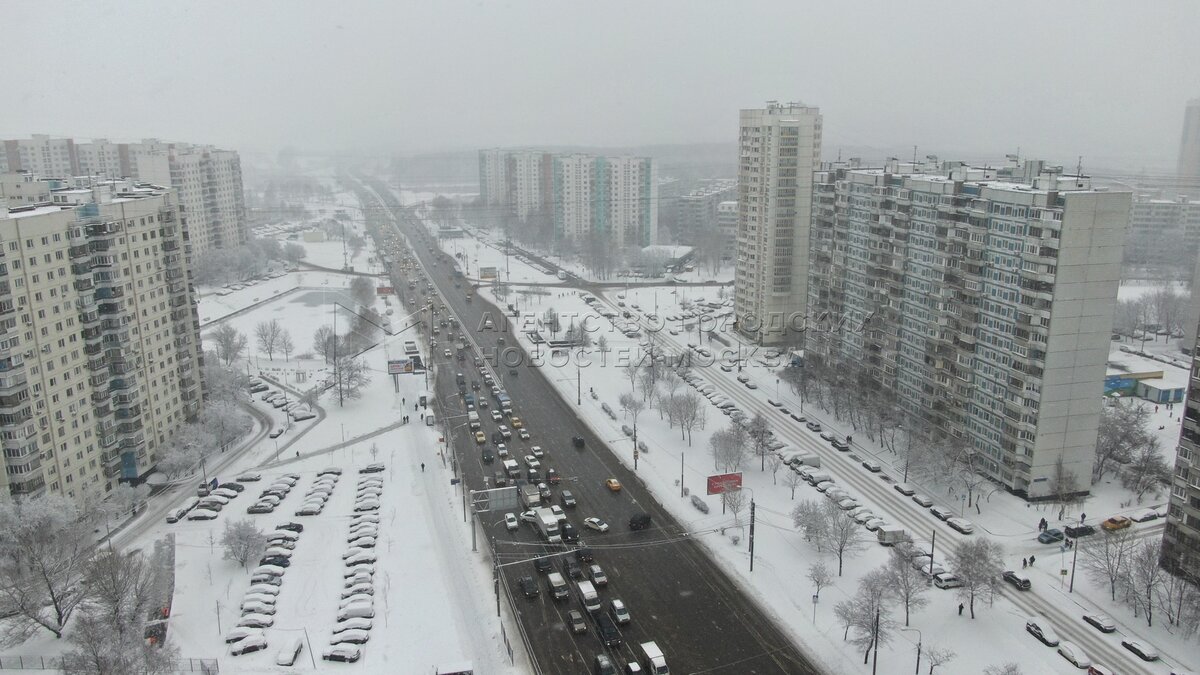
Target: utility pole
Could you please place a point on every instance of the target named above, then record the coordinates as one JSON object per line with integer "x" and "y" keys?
{"x": 578, "y": 384}
{"x": 1074, "y": 557}
{"x": 875, "y": 665}
{"x": 635, "y": 445}
{"x": 751, "y": 533}
{"x": 681, "y": 454}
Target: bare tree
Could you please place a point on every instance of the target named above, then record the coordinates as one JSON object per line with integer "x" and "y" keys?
{"x": 1144, "y": 577}
{"x": 775, "y": 463}
{"x": 362, "y": 291}
{"x": 1169, "y": 307}
{"x": 266, "y": 335}
{"x": 123, "y": 589}
{"x": 325, "y": 343}
{"x": 691, "y": 414}
{"x": 286, "y": 345}
{"x": 647, "y": 378}
{"x": 938, "y": 657}
{"x": 350, "y": 375}
{"x": 631, "y": 372}
{"x": 735, "y": 501}
{"x": 44, "y": 550}
{"x": 98, "y": 652}
{"x": 792, "y": 480}
{"x": 1173, "y": 596}
{"x": 1127, "y": 316}
{"x": 243, "y": 541}
{"x": 633, "y": 408}
{"x": 229, "y": 342}
{"x": 1124, "y": 429}
{"x": 820, "y": 577}
{"x": 1106, "y": 559}
{"x": 868, "y": 613}
{"x": 829, "y": 529}
{"x": 226, "y": 422}
{"x": 1147, "y": 471}
{"x": 978, "y": 563}
{"x": 760, "y": 435}
{"x": 908, "y": 585}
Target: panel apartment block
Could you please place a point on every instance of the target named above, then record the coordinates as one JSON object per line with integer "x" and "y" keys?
{"x": 99, "y": 338}
{"x": 779, "y": 147}
{"x": 985, "y": 303}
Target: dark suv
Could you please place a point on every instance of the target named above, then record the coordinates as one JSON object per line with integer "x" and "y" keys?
{"x": 607, "y": 629}
{"x": 572, "y": 569}
{"x": 1076, "y": 531}
{"x": 529, "y": 587}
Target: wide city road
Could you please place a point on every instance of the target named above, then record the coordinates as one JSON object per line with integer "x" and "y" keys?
{"x": 675, "y": 593}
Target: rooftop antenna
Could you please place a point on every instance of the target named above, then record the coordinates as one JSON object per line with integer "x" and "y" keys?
{"x": 1079, "y": 167}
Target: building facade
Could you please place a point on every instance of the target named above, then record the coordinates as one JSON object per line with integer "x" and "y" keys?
{"x": 1189, "y": 147}
{"x": 99, "y": 338}
{"x": 779, "y": 148}
{"x": 209, "y": 180}
{"x": 698, "y": 210}
{"x": 577, "y": 193}
{"x": 727, "y": 223}
{"x": 1163, "y": 233}
{"x": 981, "y": 298}
{"x": 1181, "y": 535}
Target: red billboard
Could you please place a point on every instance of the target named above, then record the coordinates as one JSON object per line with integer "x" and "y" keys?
{"x": 724, "y": 482}
{"x": 384, "y": 290}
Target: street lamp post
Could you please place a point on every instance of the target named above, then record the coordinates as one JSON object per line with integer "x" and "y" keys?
{"x": 919, "y": 642}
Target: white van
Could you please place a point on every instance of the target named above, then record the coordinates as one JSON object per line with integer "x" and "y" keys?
{"x": 589, "y": 596}
{"x": 558, "y": 586}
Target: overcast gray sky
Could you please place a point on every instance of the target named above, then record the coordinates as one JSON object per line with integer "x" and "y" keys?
{"x": 1107, "y": 80}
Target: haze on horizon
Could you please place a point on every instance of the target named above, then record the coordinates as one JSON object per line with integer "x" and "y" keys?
{"x": 1105, "y": 80}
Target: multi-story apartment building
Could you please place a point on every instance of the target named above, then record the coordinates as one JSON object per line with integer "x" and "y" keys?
{"x": 23, "y": 189}
{"x": 99, "y": 337}
{"x": 698, "y": 209}
{"x": 41, "y": 155}
{"x": 577, "y": 193}
{"x": 779, "y": 148}
{"x": 981, "y": 298}
{"x": 209, "y": 180}
{"x": 1163, "y": 232}
{"x": 1189, "y": 147}
{"x": 1181, "y": 536}
{"x": 727, "y": 223}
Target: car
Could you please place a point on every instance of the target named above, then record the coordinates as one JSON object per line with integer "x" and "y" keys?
{"x": 941, "y": 512}
{"x": 946, "y": 580}
{"x": 523, "y": 434}
{"x": 309, "y": 510}
{"x": 344, "y": 654}
{"x": 559, "y": 514}
{"x": 595, "y": 524}
{"x": 258, "y": 607}
{"x": 847, "y": 503}
{"x": 813, "y": 425}
{"x": 1101, "y": 622}
{"x": 361, "y": 518}
{"x": 276, "y": 433}
{"x": 249, "y": 644}
{"x": 372, "y": 468}
{"x": 290, "y": 527}
{"x": 1042, "y": 630}
{"x": 355, "y": 623}
{"x": 569, "y": 533}
{"x": 261, "y": 507}
{"x": 577, "y": 441}
{"x": 552, "y": 476}
{"x": 249, "y": 477}
{"x": 480, "y": 438}
{"x": 922, "y": 500}
{"x": 613, "y": 484}
{"x": 357, "y": 599}
{"x": 620, "y": 612}
{"x": 537, "y": 451}
{"x": 363, "y": 541}
{"x": 276, "y": 560}
{"x": 567, "y": 498}
{"x": 487, "y": 456}
{"x": 1143, "y": 651}
{"x": 871, "y": 466}
{"x": 329, "y": 471}
{"x": 1050, "y": 536}
{"x": 597, "y": 575}
{"x": 360, "y": 588}
{"x": 1116, "y": 523}
{"x": 1077, "y": 531}
{"x": 262, "y": 589}
{"x": 575, "y": 622}
{"x": 1017, "y": 579}
{"x": 352, "y": 636}
{"x": 529, "y": 587}
{"x": 511, "y": 522}
{"x": 241, "y": 633}
{"x": 529, "y": 517}
{"x": 256, "y": 621}
{"x": 502, "y": 450}
{"x": 361, "y": 568}
{"x": 825, "y": 485}
{"x": 367, "y": 505}
{"x": 1074, "y": 654}
{"x": 359, "y": 557}
{"x": 572, "y": 569}
{"x": 904, "y": 489}
{"x": 504, "y": 432}
{"x": 497, "y": 416}
{"x": 961, "y": 524}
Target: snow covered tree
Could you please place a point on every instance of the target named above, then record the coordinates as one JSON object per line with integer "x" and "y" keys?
{"x": 978, "y": 562}
{"x": 350, "y": 375}
{"x": 908, "y": 586}
{"x": 243, "y": 541}
{"x": 775, "y": 463}
{"x": 735, "y": 501}
{"x": 226, "y": 421}
{"x": 1147, "y": 471}
{"x": 222, "y": 383}
{"x": 123, "y": 589}
{"x": 124, "y": 498}
{"x": 325, "y": 343}
{"x": 1124, "y": 430}
{"x": 44, "y": 550}
{"x": 293, "y": 252}
{"x": 868, "y": 613}
{"x": 760, "y": 435}
{"x": 631, "y": 372}
{"x": 820, "y": 577}
{"x": 230, "y": 344}
{"x": 828, "y": 528}
{"x": 184, "y": 450}
{"x": 362, "y": 290}
{"x": 633, "y": 408}
{"x": 266, "y": 336}
{"x": 98, "y": 652}
{"x": 792, "y": 480}
{"x": 1144, "y": 577}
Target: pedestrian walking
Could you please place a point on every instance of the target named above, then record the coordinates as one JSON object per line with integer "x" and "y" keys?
{"x": 1031, "y": 559}
{"x": 960, "y": 609}
{"x": 1081, "y": 517}
{"x": 1155, "y": 408}
{"x": 402, "y": 401}
{"x": 422, "y": 467}
{"x": 1024, "y": 563}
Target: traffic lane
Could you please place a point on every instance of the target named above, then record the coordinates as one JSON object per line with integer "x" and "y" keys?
{"x": 769, "y": 650}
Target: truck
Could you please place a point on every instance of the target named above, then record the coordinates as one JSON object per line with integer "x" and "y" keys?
{"x": 652, "y": 659}
{"x": 547, "y": 524}
{"x": 589, "y": 596}
{"x": 473, "y": 420}
{"x": 890, "y": 535}
{"x": 505, "y": 402}
{"x": 530, "y": 496}
{"x": 512, "y": 468}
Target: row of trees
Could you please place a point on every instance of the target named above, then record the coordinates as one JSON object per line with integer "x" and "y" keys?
{"x": 1129, "y": 567}
{"x": 222, "y": 422}
{"x": 662, "y": 388}
{"x": 249, "y": 261}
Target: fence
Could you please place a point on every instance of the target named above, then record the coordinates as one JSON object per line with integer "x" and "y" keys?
{"x": 207, "y": 666}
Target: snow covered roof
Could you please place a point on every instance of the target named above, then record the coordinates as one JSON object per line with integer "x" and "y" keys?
{"x": 673, "y": 252}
